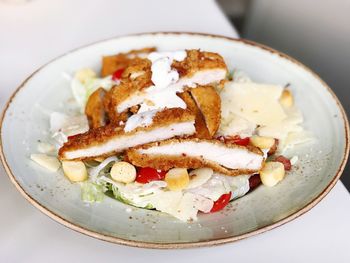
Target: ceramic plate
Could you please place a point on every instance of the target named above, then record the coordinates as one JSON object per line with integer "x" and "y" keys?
{"x": 320, "y": 165}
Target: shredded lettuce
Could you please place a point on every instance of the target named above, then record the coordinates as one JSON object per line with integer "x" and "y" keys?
{"x": 104, "y": 167}
{"x": 91, "y": 192}
{"x": 116, "y": 190}
{"x": 82, "y": 91}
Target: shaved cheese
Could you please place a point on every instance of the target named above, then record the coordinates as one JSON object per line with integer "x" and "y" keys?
{"x": 184, "y": 206}
{"x": 233, "y": 124}
{"x": 167, "y": 202}
{"x": 69, "y": 125}
{"x": 280, "y": 130}
{"x": 49, "y": 162}
{"x": 239, "y": 185}
{"x": 296, "y": 138}
{"x": 214, "y": 188}
{"x": 44, "y": 147}
{"x": 186, "y": 209}
{"x": 257, "y": 103}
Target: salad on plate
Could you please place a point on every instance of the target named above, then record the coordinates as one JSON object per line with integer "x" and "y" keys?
{"x": 173, "y": 131}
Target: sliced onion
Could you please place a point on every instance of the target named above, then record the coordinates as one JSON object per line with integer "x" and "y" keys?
{"x": 93, "y": 172}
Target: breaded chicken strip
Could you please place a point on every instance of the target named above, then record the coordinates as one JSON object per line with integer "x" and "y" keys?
{"x": 95, "y": 110}
{"x": 135, "y": 78}
{"x": 110, "y": 139}
{"x": 110, "y": 64}
{"x": 201, "y": 128}
{"x": 229, "y": 159}
{"x": 209, "y": 103}
{"x": 198, "y": 68}
{"x": 200, "y": 61}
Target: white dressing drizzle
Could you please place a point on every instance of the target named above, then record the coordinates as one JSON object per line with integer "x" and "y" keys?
{"x": 160, "y": 95}
{"x": 142, "y": 119}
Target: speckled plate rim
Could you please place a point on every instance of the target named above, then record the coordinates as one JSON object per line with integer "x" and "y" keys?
{"x": 213, "y": 242}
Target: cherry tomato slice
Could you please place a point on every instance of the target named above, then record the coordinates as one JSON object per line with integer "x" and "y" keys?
{"x": 254, "y": 181}
{"x": 147, "y": 174}
{"x": 235, "y": 139}
{"x": 241, "y": 141}
{"x": 285, "y": 161}
{"x": 117, "y": 75}
{"x": 221, "y": 202}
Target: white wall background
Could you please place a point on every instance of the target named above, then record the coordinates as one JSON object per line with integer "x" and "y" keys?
{"x": 316, "y": 32}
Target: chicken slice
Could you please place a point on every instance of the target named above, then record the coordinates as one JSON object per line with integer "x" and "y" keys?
{"x": 110, "y": 139}
{"x": 95, "y": 110}
{"x": 135, "y": 78}
{"x": 200, "y": 61}
{"x": 198, "y": 68}
{"x": 209, "y": 103}
{"x": 201, "y": 128}
{"x": 229, "y": 159}
{"x": 110, "y": 64}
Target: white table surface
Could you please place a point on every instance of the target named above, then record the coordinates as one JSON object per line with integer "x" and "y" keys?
{"x": 33, "y": 33}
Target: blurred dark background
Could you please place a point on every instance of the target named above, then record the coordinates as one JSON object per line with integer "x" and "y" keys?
{"x": 317, "y": 33}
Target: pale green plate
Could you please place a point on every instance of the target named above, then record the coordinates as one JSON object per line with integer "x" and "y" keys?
{"x": 319, "y": 167}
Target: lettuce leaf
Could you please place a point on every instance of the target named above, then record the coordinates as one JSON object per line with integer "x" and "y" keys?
{"x": 82, "y": 91}
{"x": 91, "y": 192}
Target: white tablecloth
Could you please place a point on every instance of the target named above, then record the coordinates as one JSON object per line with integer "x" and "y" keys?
{"x": 33, "y": 33}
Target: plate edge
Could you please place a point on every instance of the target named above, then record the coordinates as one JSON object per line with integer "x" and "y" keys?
{"x": 142, "y": 244}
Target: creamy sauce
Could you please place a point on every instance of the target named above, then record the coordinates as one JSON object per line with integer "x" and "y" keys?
{"x": 167, "y": 84}
{"x": 143, "y": 119}
{"x": 162, "y": 74}
{"x": 160, "y": 95}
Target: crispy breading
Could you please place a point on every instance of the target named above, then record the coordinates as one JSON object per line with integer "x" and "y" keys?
{"x": 183, "y": 160}
{"x": 95, "y": 110}
{"x": 137, "y": 77}
{"x": 209, "y": 103}
{"x": 197, "y": 60}
{"x": 110, "y": 64}
{"x": 103, "y": 135}
{"x": 201, "y": 128}
{"x": 129, "y": 86}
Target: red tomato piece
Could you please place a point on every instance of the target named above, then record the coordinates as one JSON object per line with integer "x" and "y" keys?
{"x": 221, "y": 202}
{"x": 254, "y": 181}
{"x": 235, "y": 139}
{"x": 242, "y": 141}
{"x": 117, "y": 75}
{"x": 147, "y": 174}
{"x": 285, "y": 161}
